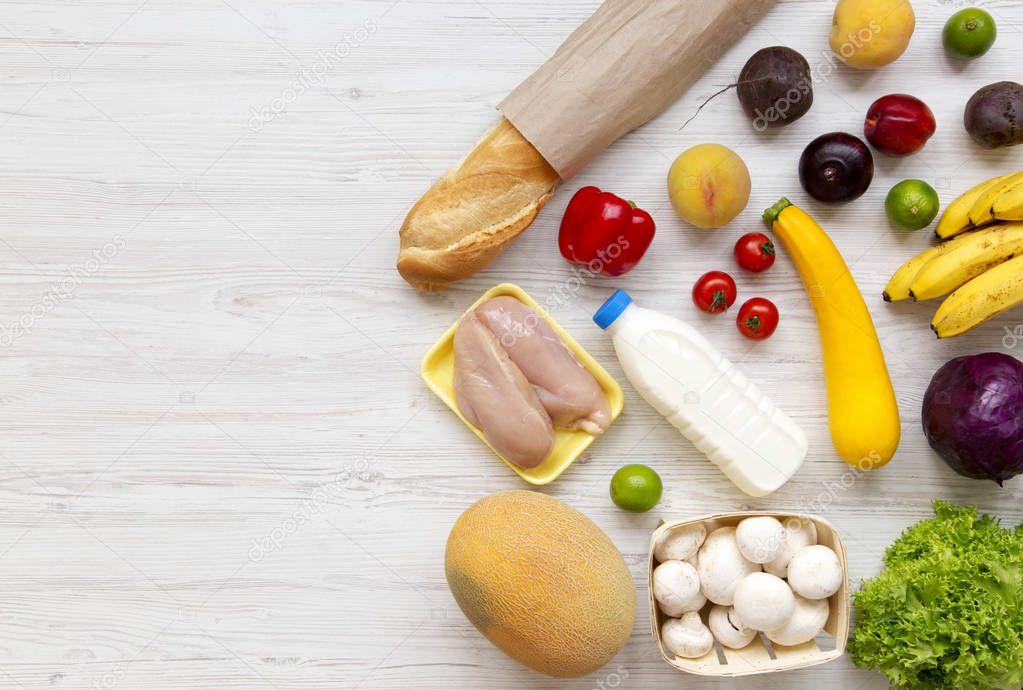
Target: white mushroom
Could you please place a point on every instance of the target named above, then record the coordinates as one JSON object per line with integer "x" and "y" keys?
{"x": 687, "y": 637}
{"x": 677, "y": 588}
{"x": 763, "y": 601}
{"x": 807, "y": 620}
{"x": 760, "y": 538}
{"x": 680, "y": 543}
{"x": 815, "y": 573}
{"x": 727, "y": 629}
{"x": 722, "y": 566}
{"x": 798, "y": 533}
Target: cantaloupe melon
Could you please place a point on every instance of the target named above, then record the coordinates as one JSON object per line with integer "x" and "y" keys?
{"x": 541, "y": 581}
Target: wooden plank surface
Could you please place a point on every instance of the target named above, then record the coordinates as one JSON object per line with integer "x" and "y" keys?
{"x": 219, "y": 467}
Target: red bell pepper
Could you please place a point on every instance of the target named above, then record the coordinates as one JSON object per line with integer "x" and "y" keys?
{"x": 603, "y": 232}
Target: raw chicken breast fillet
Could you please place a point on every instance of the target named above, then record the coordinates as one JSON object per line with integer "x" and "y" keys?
{"x": 494, "y": 395}
{"x": 569, "y": 393}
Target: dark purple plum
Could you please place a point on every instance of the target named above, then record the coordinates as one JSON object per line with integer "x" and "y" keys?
{"x": 836, "y": 168}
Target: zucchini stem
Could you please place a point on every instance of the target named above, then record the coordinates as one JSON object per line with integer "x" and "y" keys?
{"x": 771, "y": 214}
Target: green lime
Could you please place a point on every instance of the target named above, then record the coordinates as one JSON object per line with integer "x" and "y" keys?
{"x": 912, "y": 204}
{"x": 636, "y": 488}
{"x": 969, "y": 33}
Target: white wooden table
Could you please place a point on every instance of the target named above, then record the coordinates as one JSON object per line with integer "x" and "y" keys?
{"x": 219, "y": 467}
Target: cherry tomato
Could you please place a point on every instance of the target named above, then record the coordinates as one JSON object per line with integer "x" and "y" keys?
{"x": 714, "y": 292}
{"x": 755, "y": 252}
{"x": 757, "y": 319}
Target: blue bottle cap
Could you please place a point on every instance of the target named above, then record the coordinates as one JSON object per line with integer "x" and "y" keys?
{"x": 612, "y": 308}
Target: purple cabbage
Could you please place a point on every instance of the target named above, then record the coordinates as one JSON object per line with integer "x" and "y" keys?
{"x": 973, "y": 415}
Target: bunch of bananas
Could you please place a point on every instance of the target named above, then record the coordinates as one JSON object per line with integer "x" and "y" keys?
{"x": 980, "y": 263}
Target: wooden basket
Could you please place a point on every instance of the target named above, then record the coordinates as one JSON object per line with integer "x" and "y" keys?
{"x": 760, "y": 656}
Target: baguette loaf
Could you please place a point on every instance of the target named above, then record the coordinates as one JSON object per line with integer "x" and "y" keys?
{"x": 475, "y": 210}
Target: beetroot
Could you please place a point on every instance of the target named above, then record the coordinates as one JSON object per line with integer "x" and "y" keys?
{"x": 775, "y": 87}
{"x": 994, "y": 115}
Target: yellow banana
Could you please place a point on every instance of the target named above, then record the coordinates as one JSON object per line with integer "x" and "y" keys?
{"x": 983, "y": 298}
{"x": 971, "y": 254}
{"x": 1009, "y": 206}
{"x": 956, "y": 218}
{"x": 862, "y": 412}
{"x": 980, "y": 213}
{"x": 897, "y": 289}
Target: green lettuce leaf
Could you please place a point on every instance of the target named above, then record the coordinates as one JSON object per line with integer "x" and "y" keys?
{"x": 946, "y": 613}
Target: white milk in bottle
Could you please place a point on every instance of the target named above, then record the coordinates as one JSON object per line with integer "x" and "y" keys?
{"x": 704, "y": 396}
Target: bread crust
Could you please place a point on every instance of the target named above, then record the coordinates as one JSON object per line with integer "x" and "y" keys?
{"x": 475, "y": 210}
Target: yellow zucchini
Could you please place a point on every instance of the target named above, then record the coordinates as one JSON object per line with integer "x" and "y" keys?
{"x": 862, "y": 411}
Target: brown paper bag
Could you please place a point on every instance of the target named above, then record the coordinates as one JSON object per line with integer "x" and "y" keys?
{"x": 623, "y": 66}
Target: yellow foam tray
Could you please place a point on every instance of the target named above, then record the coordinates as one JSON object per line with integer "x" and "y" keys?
{"x": 438, "y": 372}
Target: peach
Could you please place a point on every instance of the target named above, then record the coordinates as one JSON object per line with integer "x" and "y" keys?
{"x": 709, "y": 185}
